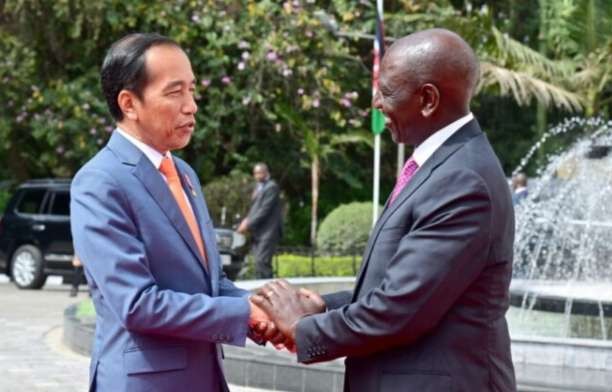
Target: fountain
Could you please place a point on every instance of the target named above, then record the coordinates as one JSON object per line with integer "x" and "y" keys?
{"x": 561, "y": 292}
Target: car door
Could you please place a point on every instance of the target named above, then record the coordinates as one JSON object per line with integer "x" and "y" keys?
{"x": 57, "y": 249}
{"x": 22, "y": 225}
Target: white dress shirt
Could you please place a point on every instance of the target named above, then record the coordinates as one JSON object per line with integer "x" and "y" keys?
{"x": 425, "y": 150}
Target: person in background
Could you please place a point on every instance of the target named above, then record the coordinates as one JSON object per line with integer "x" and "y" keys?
{"x": 519, "y": 188}
{"x": 77, "y": 276}
{"x": 264, "y": 220}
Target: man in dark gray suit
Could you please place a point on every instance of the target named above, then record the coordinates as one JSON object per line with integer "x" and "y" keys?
{"x": 264, "y": 221}
{"x": 427, "y": 312}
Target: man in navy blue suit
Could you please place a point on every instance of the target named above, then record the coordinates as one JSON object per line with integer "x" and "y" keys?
{"x": 427, "y": 312}
{"x": 143, "y": 232}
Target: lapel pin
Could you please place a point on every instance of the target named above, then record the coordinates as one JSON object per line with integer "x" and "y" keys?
{"x": 188, "y": 181}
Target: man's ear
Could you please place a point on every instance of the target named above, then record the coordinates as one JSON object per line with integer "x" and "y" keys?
{"x": 430, "y": 99}
{"x": 127, "y": 103}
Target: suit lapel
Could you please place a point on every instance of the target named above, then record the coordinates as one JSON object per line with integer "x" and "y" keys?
{"x": 448, "y": 148}
{"x": 157, "y": 187}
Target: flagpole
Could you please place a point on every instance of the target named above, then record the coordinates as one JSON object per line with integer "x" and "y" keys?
{"x": 376, "y": 192}
{"x": 376, "y": 115}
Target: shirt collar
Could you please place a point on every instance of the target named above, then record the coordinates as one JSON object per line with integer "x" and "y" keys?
{"x": 426, "y": 149}
{"x": 152, "y": 154}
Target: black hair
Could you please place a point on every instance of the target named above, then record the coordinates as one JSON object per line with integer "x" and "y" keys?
{"x": 124, "y": 67}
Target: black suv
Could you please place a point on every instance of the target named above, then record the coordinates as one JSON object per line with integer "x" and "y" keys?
{"x": 35, "y": 238}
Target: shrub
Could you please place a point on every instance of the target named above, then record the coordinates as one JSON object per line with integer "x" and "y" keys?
{"x": 346, "y": 229}
{"x": 290, "y": 265}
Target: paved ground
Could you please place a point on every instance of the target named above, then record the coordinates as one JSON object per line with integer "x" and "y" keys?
{"x": 32, "y": 357}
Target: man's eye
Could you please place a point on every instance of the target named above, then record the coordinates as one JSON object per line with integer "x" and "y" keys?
{"x": 174, "y": 93}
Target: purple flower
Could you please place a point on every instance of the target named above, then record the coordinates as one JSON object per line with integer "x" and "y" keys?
{"x": 315, "y": 103}
{"x": 93, "y": 131}
{"x": 345, "y": 102}
{"x": 205, "y": 83}
{"x": 300, "y": 91}
{"x": 272, "y": 56}
{"x": 226, "y": 80}
{"x": 108, "y": 129}
{"x": 309, "y": 34}
{"x": 353, "y": 95}
{"x": 287, "y": 72}
{"x": 241, "y": 65}
{"x": 195, "y": 18}
{"x": 60, "y": 150}
{"x": 243, "y": 45}
{"x": 20, "y": 117}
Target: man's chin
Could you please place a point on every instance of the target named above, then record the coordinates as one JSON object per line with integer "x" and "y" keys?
{"x": 180, "y": 144}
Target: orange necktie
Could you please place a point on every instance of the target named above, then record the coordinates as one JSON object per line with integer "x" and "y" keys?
{"x": 168, "y": 169}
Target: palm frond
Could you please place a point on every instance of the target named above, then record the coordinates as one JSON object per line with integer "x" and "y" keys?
{"x": 512, "y": 51}
{"x": 352, "y": 138}
{"x": 524, "y": 87}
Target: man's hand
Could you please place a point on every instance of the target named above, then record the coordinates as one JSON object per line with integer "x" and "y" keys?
{"x": 243, "y": 227}
{"x": 264, "y": 330}
{"x": 286, "y": 306}
{"x": 312, "y": 301}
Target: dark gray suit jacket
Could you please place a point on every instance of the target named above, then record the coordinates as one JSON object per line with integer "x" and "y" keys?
{"x": 265, "y": 215}
{"x": 427, "y": 312}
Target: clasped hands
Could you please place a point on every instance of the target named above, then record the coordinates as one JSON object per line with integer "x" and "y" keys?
{"x": 276, "y": 309}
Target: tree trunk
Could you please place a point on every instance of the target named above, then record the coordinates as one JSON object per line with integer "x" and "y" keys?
{"x": 315, "y": 170}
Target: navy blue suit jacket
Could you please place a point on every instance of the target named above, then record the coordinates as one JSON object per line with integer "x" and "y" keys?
{"x": 427, "y": 313}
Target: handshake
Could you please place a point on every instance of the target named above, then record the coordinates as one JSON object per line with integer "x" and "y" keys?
{"x": 276, "y": 309}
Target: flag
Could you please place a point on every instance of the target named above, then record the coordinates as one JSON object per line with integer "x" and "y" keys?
{"x": 378, "y": 119}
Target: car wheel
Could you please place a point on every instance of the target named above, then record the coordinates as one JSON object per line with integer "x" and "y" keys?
{"x": 27, "y": 268}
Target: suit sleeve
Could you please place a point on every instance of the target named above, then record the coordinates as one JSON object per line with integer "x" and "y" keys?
{"x": 270, "y": 199}
{"x": 337, "y": 300}
{"x": 107, "y": 238}
{"x": 436, "y": 260}
{"x": 227, "y": 288}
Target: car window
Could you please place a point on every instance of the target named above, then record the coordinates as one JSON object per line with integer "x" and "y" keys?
{"x": 61, "y": 204}
{"x": 31, "y": 201}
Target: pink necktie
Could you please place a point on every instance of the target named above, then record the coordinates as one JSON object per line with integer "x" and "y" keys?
{"x": 410, "y": 167}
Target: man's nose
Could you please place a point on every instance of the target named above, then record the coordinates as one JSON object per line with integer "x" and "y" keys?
{"x": 191, "y": 106}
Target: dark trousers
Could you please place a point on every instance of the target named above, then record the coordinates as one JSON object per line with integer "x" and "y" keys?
{"x": 77, "y": 278}
{"x": 263, "y": 249}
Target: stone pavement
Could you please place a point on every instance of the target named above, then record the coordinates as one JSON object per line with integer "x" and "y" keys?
{"x": 32, "y": 357}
